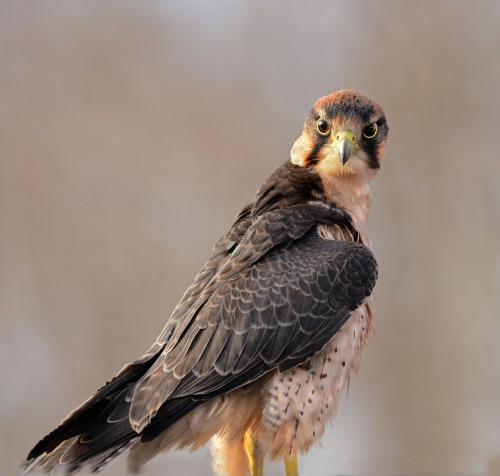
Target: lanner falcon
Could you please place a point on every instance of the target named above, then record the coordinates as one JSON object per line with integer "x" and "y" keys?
{"x": 256, "y": 354}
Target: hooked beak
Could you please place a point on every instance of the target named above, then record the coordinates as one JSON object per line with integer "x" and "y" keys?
{"x": 344, "y": 143}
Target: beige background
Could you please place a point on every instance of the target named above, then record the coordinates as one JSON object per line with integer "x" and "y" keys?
{"x": 131, "y": 132}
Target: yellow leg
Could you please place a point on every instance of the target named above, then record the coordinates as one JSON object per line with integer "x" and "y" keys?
{"x": 291, "y": 465}
{"x": 255, "y": 459}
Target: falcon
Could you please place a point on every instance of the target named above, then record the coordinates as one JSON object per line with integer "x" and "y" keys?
{"x": 257, "y": 352}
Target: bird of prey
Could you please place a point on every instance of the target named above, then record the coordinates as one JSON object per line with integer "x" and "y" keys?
{"x": 256, "y": 354}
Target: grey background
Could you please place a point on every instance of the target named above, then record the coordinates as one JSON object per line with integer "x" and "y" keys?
{"x": 130, "y": 134}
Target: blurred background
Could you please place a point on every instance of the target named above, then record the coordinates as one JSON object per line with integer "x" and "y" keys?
{"x": 131, "y": 133}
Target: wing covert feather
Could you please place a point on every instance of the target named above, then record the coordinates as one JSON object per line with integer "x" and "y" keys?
{"x": 280, "y": 311}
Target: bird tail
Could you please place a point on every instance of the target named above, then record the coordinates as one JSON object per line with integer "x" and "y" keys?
{"x": 99, "y": 430}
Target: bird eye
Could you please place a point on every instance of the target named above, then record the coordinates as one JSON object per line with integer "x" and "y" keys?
{"x": 323, "y": 127}
{"x": 370, "y": 131}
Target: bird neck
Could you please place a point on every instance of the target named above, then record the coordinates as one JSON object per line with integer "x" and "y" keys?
{"x": 353, "y": 195}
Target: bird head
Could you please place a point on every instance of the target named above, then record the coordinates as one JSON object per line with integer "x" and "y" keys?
{"x": 344, "y": 136}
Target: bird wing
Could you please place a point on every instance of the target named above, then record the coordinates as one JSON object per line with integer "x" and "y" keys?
{"x": 288, "y": 185}
{"x": 274, "y": 301}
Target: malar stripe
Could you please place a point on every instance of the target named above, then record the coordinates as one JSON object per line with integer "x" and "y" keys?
{"x": 312, "y": 158}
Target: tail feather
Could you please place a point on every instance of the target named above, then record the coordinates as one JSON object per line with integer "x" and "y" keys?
{"x": 99, "y": 430}
{"x": 79, "y": 421}
{"x": 46, "y": 462}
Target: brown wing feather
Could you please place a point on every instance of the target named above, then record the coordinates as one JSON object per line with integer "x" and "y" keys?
{"x": 272, "y": 229}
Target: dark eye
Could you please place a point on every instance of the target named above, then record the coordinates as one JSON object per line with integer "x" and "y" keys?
{"x": 370, "y": 131}
{"x": 323, "y": 127}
